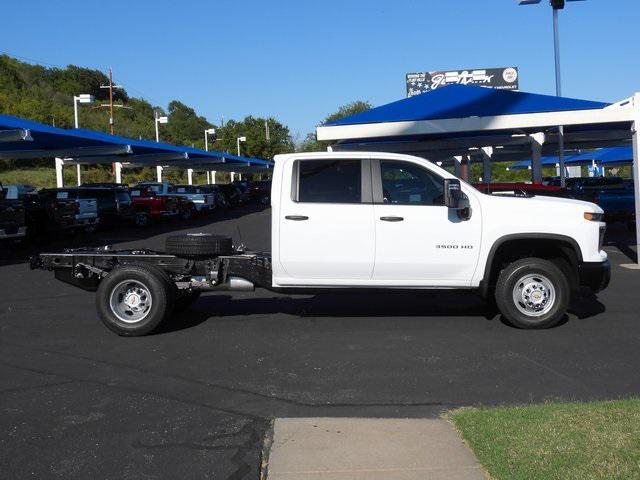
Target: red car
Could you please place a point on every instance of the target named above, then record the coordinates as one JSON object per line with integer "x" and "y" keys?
{"x": 148, "y": 205}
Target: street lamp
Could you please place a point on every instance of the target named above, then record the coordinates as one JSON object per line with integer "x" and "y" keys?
{"x": 240, "y": 139}
{"x": 82, "y": 98}
{"x": 159, "y": 120}
{"x": 555, "y": 6}
{"x": 212, "y": 174}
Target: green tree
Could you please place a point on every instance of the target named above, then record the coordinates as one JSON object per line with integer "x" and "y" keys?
{"x": 311, "y": 143}
{"x": 256, "y": 145}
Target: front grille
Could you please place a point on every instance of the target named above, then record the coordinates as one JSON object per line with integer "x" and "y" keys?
{"x": 603, "y": 229}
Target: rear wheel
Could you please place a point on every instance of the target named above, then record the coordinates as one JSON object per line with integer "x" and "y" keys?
{"x": 532, "y": 293}
{"x": 134, "y": 300}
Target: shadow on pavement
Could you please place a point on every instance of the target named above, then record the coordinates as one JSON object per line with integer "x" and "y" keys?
{"x": 351, "y": 305}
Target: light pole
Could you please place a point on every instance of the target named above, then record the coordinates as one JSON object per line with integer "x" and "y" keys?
{"x": 211, "y": 176}
{"x": 158, "y": 120}
{"x": 82, "y": 98}
{"x": 555, "y": 6}
{"x": 238, "y": 140}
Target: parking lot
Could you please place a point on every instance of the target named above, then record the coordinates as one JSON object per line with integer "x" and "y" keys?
{"x": 196, "y": 399}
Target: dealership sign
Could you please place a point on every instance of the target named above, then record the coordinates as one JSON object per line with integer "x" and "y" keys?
{"x": 500, "y": 78}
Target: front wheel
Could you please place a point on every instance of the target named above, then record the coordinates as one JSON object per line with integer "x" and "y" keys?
{"x": 532, "y": 293}
{"x": 134, "y": 300}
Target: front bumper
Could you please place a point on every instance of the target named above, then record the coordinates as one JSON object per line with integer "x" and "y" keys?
{"x": 594, "y": 276}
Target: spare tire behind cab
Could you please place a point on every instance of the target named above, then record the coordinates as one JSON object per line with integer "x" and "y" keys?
{"x": 198, "y": 245}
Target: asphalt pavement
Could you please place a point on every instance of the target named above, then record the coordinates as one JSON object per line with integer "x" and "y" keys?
{"x": 196, "y": 399}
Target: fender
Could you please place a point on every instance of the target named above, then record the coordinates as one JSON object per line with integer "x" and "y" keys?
{"x": 485, "y": 283}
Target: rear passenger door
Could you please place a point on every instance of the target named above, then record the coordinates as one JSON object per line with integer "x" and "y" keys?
{"x": 326, "y": 228}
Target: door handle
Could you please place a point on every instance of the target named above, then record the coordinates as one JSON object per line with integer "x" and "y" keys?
{"x": 391, "y": 219}
{"x": 297, "y": 218}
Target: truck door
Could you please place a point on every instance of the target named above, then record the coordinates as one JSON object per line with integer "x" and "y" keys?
{"x": 419, "y": 241}
{"x": 326, "y": 228}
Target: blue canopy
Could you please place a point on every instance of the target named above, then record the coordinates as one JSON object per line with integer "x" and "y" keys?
{"x": 462, "y": 101}
{"x": 550, "y": 161}
{"x": 605, "y": 156}
{"x": 31, "y": 139}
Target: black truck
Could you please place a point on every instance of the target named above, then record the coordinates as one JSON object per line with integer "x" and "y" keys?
{"x": 13, "y": 226}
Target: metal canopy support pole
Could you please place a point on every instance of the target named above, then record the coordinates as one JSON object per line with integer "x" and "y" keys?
{"x": 457, "y": 166}
{"x": 208, "y": 178}
{"x": 78, "y": 175}
{"x": 118, "y": 171}
{"x": 537, "y": 140}
{"x": 213, "y": 177}
{"x": 190, "y": 176}
{"x": 635, "y": 135}
{"x": 487, "y": 153}
{"x": 59, "y": 162}
{"x": 232, "y": 176}
{"x": 159, "y": 173}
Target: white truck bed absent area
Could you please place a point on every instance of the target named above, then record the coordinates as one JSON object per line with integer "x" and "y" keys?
{"x": 368, "y": 448}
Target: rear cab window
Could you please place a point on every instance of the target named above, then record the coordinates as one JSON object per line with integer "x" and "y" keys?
{"x": 328, "y": 181}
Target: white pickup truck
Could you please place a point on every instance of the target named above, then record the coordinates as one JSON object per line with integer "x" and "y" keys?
{"x": 366, "y": 221}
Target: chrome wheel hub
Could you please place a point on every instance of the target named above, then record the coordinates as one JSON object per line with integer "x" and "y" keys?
{"x": 130, "y": 301}
{"x": 534, "y": 295}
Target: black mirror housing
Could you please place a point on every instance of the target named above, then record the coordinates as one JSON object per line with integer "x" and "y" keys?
{"x": 455, "y": 198}
{"x": 452, "y": 192}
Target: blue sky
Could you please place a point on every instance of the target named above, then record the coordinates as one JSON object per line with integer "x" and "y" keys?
{"x": 299, "y": 60}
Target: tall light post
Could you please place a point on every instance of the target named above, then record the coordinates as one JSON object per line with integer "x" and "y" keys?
{"x": 238, "y": 140}
{"x": 211, "y": 176}
{"x": 158, "y": 120}
{"x": 555, "y": 6}
{"x": 82, "y": 98}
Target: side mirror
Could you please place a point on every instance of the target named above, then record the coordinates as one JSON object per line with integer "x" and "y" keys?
{"x": 455, "y": 198}
{"x": 452, "y": 192}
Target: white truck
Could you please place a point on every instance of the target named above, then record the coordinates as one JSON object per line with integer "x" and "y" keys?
{"x": 366, "y": 221}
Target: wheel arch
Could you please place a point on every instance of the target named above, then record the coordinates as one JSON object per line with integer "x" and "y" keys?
{"x": 544, "y": 245}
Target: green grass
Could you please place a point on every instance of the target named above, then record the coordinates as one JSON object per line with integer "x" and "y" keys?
{"x": 599, "y": 440}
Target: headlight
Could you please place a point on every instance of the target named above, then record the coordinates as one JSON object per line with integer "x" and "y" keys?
{"x": 594, "y": 217}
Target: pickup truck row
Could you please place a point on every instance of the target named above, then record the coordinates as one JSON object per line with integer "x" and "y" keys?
{"x": 359, "y": 221}
{"x": 27, "y": 213}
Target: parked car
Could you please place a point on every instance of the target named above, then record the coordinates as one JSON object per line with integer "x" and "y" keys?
{"x": 243, "y": 191}
{"x": 260, "y": 192}
{"x": 231, "y": 194}
{"x": 13, "y": 224}
{"x": 149, "y": 206}
{"x": 618, "y": 205}
{"x": 203, "y": 200}
{"x": 522, "y": 188}
{"x": 586, "y": 188}
{"x": 342, "y": 222}
{"x": 188, "y": 206}
{"x": 87, "y": 211}
{"x": 114, "y": 203}
{"x": 219, "y": 198}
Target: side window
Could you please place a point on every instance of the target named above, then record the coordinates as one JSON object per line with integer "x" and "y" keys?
{"x": 329, "y": 181}
{"x": 406, "y": 183}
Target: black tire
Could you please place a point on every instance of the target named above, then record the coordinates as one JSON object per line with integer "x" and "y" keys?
{"x": 541, "y": 274}
{"x": 186, "y": 298}
{"x": 198, "y": 245}
{"x": 189, "y": 212}
{"x": 155, "y": 284}
{"x": 142, "y": 220}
